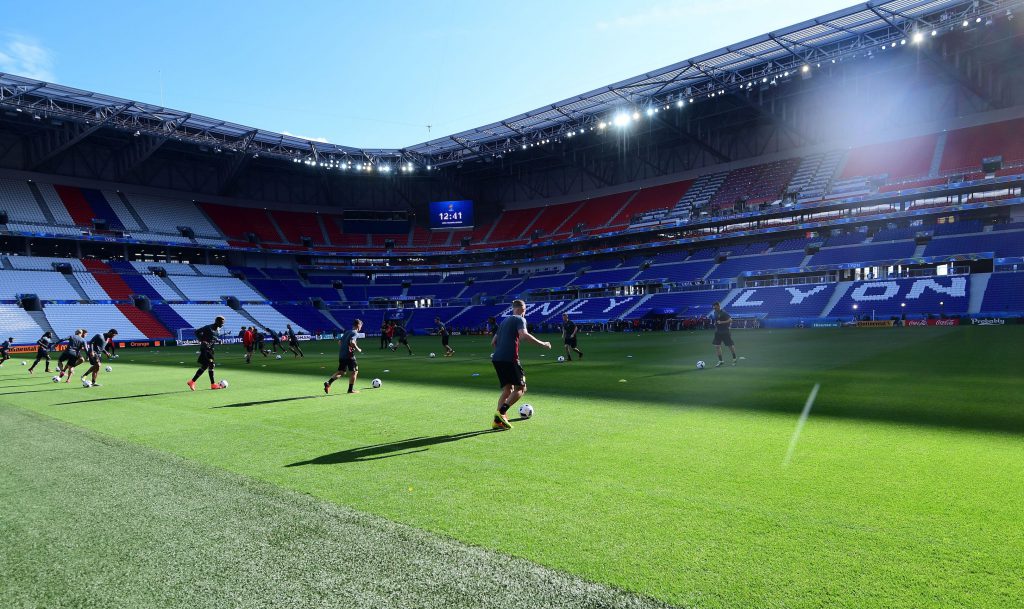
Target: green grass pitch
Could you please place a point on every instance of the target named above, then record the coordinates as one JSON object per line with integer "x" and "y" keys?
{"x": 638, "y": 473}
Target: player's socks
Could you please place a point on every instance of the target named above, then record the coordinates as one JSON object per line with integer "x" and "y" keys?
{"x": 351, "y": 388}
{"x": 191, "y": 385}
{"x": 327, "y": 387}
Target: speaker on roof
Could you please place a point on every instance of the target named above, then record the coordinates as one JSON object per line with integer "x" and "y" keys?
{"x": 142, "y": 302}
{"x": 991, "y": 164}
{"x": 922, "y": 237}
{"x": 579, "y": 228}
{"x": 721, "y": 257}
{"x": 186, "y": 232}
{"x": 317, "y": 303}
{"x": 233, "y": 302}
{"x": 3, "y": 217}
{"x": 306, "y": 242}
{"x": 62, "y": 267}
{"x": 337, "y": 285}
{"x": 238, "y": 275}
{"x": 100, "y": 224}
{"x": 812, "y": 248}
{"x": 252, "y": 238}
{"x": 159, "y": 271}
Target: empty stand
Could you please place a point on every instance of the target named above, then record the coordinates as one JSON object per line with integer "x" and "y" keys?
{"x": 650, "y": 199}
{"x": 47, "y": 285}
{"x": 163, "y": 215}
{"x": 755, "y": 184}
{"x": 269, "y": 317}
{"x": 17, "y": 200}
{"x": 907, "y": 158}
{"x": 236, "y": 222}
{"x": 295, "y": 225}
{"x": 215, "y": 288}
{"x": 965, "y": 148}
{"x": 199, "y": 315}
{"x": 1004, "y": 294}
{"x": 886, "y": 297}
{"x": 871, "y": 252}
{"x": 96, "y": 318}
{"x": 511, "y": 224}
{"x": 146, "y": 322}
{"x": 16, "y": 323}
{"x": 306, "y": 317}
{"x": 112, "y": 283}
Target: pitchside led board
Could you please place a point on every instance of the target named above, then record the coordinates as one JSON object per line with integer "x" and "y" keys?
{"x": 451, "y": 214}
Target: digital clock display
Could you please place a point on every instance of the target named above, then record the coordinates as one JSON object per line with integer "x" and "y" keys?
{"x": 451, "y": 214}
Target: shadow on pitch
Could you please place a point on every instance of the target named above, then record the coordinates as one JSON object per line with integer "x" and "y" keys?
{"x": 116, "y": 397}
{"x": 374, "y": 452}
{"x": 262, "y": 402}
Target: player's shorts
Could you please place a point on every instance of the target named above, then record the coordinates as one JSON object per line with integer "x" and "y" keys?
{"x": 510, "y": 373}
{"x": 40, "y": 352}
{"x": 249, "y": 348}
{"x": 348, "y": 364}
{"x": 722, "y": 338}
{"x": 94, "y": 359}
{"x": 444, "y": 340}
{"x": 68, "y": 356}
{"x": 3, "y": 352}
{"x": 293, "y": 342}
{"x": 570, "y": 342}
{"x": 205, "y": 356}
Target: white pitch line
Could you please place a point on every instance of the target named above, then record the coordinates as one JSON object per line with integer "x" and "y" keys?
{"x": 800, "y": 424}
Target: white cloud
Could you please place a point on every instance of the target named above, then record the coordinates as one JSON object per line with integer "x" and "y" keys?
{"x": 26, "y": 57}
{"x": 322, "y": 140}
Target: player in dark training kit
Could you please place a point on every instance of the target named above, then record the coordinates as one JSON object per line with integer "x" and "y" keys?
{"x": 723, "y": 334}
{"x": 402, "y": 336}
{"x": 208, "y": 336}
{"x": 98, "y": 346}
{"x": 569, "y": 330}
{"x": 347, "y": 349}
{"x": 293, "y": 343}
{"x": 73, "y": 355}
{"x": 444, "y": 334}
{"x": 506, "y": 361}
{"x": 43, "y": 347}
{"x": 276, "y": 341}
{"x": 5, "y": 350}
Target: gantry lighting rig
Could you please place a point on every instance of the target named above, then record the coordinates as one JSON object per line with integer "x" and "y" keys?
{"x": 745, "y": 74}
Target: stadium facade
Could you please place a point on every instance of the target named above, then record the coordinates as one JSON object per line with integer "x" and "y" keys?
{"x": 867, "y": 164}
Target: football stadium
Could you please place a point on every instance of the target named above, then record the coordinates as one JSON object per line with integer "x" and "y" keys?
{"x": 743, "y": 331}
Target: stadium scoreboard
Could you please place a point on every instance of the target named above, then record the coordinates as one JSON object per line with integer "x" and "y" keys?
{"x": 451, "y": 214}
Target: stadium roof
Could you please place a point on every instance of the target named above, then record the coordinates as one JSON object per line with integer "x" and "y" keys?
{"x": 768, "y": 58}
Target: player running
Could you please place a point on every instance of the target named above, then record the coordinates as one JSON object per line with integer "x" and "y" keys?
{"x": 98, "y": 346}
{"x": 5, "y": 350}
{"x": 506, "y": 361}
{"x": 347, "y": 358}
{"x": 261, "y": 338}
{"x": 276, "y": 341}
{"x": 569, "y": 331}
{"x": 293, "y": 343}
{"x": 43, "y": 347}
{"x": 723, "y": 334}
{"x": 445, "y": 335}
{"x": 208, "y": 337}
{"x": 73, "y": 355}
{"x": 402, "y": 336}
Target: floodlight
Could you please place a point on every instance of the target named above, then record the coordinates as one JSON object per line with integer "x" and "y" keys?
{"x": 621, "y": 119}
{"x": 679, "y": 104}
{"x": 636, "y": 116}
{"x": 805, "y": 68}
{"x": 918, "y": 37}
{"x": 966, "y": 23}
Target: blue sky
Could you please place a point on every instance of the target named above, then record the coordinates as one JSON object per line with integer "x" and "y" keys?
{"x": 369, "y": 74}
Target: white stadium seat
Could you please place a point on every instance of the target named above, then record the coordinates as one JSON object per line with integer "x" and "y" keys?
{"x": 39, "y": 263}
{"x": 199, "y": 315}
{"x": 215, "y": 288}
{"x": 96, "y": 318}
{"x": 271, "y": 318}
{"x": 169, "y": 267}
{"x": 17, "y": 200}
{"x": 14, "y": 321}
{"x": 166, "y": 215}
{"x": 60, "y": 213}
{"x": 47, "y": 285}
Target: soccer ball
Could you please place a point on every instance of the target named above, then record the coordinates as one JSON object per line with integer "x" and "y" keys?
{"x": 526, "y": 411}
{"x": 24, "y": 363}
{"x": 391, "y": 346}
{"x": 86, "y": 383}
{"x": 223, "y": 384}
{"x": 55, "y": 379}
{"x": 561, "y": 358}
{"x": 278, "y": 357}
{"x": 700, "y": 364}
{"x": 376, "y": 383}
{"x": 433, "y": 355}
{"x": 109, "y": 369}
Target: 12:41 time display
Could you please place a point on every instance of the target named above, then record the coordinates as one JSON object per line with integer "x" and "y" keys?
{"x": 447, "y": 216}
